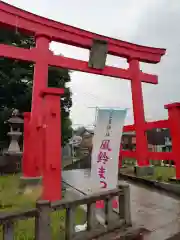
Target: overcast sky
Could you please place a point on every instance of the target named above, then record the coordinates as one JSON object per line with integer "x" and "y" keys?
{"x": 147, "y": 22}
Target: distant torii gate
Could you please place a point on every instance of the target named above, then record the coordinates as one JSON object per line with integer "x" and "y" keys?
{"x": 38, "y": 158}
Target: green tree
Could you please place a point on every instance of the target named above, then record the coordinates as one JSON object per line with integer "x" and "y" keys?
{"x": 16, "y": 80}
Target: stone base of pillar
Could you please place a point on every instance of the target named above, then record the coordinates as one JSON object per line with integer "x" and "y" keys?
{"x": 28, "y": 185}
{"x": 30, "y": 180}
{"x": 174, "y": 180}
{"x": 141, "y": 171}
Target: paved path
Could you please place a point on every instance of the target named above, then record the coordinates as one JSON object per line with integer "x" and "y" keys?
{"x": 153, "y": 210}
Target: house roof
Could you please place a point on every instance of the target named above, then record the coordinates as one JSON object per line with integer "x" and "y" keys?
{"x": 80, "y": 131}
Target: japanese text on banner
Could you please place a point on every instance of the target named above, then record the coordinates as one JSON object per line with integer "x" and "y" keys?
{"x": 103, "y": 155}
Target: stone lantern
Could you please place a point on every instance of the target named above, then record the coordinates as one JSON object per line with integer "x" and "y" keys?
{"x": 15, "y": 123}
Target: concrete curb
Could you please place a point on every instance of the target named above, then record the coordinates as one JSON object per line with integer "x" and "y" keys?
{"x": 167, "y": 187}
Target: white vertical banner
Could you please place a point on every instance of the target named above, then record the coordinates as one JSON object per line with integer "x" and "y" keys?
{"x": 106, "y": 147}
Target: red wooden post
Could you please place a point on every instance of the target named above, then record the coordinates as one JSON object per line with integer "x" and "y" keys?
{"x": 174, "y": 123}
{"x": 138, "y": 109}
{"x": 52, "y": 182}
{"x": 40, "y": 82}
{"x": 26, "y": 165}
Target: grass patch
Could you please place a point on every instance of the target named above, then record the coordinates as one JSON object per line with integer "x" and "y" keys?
{"x": 129, "y": 162}
{"x": 162, "y": 173}
{"x": 11, "y": 200}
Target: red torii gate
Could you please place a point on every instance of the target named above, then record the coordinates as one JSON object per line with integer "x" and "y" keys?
{"x": 173, "y": 124}
{"x": 38, "y": 158}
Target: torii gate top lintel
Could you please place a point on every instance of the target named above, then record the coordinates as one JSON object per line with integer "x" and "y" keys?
{"x": 33, "y": 24}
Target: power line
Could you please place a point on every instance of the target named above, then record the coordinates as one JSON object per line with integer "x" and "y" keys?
{"x": 96, "y": 97}
{"x": 107, "y": 101}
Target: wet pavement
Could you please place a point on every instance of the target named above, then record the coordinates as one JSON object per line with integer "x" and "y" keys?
{"x": 153, "y": 210}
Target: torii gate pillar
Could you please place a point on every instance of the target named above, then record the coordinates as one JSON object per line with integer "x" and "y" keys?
{"x": 174, "y": 125}
{"x": 138, "y": 109}
{"x": 40, "y": 82}
{"x": 51, "y": 130}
